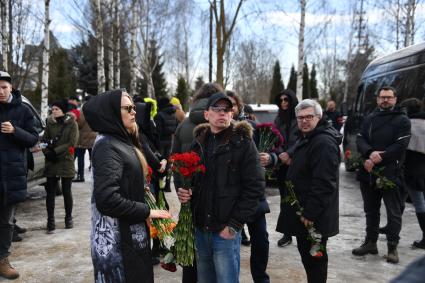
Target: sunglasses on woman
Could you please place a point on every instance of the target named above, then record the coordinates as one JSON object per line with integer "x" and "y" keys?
{"x": 129, "y": 108}
{"x": 285, "y": 99}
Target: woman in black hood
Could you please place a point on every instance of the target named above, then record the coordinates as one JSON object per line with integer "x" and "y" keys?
{"x": 286, "y": 122}
{"x": 120, "y": 243}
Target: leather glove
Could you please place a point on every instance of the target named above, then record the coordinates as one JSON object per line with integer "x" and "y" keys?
{"x": 50, "y": 154}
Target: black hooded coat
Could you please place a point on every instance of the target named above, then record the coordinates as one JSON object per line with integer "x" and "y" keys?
{"x": 120, "y": 243}
{"x": 314, "y": 174}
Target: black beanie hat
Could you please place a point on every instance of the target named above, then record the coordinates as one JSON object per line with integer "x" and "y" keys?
{"x": 62, "y": 104}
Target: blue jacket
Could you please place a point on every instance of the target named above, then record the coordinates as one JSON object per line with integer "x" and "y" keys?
{"x": 13, "y": 163}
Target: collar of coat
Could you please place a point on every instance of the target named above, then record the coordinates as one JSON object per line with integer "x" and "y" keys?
{"x": 237, "y": 131}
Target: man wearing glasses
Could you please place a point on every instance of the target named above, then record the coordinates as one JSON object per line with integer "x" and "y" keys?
{"x": 227, "y": 195}
{"x": 382, "y": 142}
{"x": 313, "y": 173}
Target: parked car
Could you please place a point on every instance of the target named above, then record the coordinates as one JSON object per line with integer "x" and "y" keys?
{"x": 36, "y": 177}
{"x": 265, "y": 113}
{"x": 404, "y": 70}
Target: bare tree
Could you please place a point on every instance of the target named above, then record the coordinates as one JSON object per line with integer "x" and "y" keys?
{"x": 45, "y": 68}
{"x": 133, "y": 48}
{"x": 223, "y": 34}
{"x": 301, "y": 51}
{"x": 117, "y": 33}
{"x": 5, "y": 33}
{"x": 100, "y": 45}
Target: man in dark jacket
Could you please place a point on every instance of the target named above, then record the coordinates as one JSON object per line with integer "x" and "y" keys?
{"x": 227, "y": 195}
{"x": 382, "y": 142}
{"x": 334, "y": 116}
{"x": 183, "y": 140}
{"x": 17, "y": 134}
{"x": 313, "y": 173}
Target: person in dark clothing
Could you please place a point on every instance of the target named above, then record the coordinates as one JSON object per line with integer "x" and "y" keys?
{"x": 382, "y": 142}
{"x": 120, "y": 245}
{"x": 149, "y": 141}
{"x": 183, "y": 140}
{"x": 61, "y": 136}
{"x": 257, "y": 228}
{"x": 227, "y": 195}
{"x": 334, "y": 116}
{"x": 413, "y": 273}
{"x": 414, "y": 166}
{"x": 17, "y": 134}
{"x": 166, "y": 123}
{"x": 287, "y": 125}
{"x": 314, "y": 174}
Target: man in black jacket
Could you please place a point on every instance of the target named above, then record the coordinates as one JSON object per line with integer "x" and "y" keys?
{"x": 382, "y": 142}
{"x": 17, "y": 134}
{"x": 313, "y": 173}
{"x": 227, "y": 196}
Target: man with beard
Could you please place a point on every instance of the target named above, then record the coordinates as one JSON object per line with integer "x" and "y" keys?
{"x": 382, "y": 142}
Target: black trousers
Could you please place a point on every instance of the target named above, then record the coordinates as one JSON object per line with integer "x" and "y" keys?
{"x": 7, "y": 213}
{"x": 316, "y": 268}
{"x": 52, "y": 183}
{"x": 259, "y": 249}
{"x": 372, "y": 198}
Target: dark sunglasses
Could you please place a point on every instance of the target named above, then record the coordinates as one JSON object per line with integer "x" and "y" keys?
{"x": 285, "y": 99}
{"x": 129, "y": 108}
{"x": 218, "y": 109}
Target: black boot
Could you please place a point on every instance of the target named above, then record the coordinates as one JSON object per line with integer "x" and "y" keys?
{"x": 392, "y": 256}
{"x": 78, "y": 179}
{"x": 16, "y": 237}
{"x": 20, "y": 230}
{"x": 421, "y": 219}
{"x": 68, "y": 223}
{"x": 50, "y": 226}
{"x": 368, "y": 247}
{"x": 284, "y": 241}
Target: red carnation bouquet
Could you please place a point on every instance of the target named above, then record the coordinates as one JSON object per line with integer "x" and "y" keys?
{"x": 187, "y": 165}
{"x": 270, "y": 137}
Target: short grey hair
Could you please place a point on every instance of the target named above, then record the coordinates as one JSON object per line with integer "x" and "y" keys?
{"x": 307, "y": 103}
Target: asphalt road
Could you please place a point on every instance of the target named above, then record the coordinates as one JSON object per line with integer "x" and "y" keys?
{"x": 65, "y": 255}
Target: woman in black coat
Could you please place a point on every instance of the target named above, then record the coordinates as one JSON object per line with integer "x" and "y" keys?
{"x": 287, "y": 124}
{"x": 120, "y": 243}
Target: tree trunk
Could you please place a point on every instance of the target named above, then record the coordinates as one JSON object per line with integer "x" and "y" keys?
{"x": 5, "y": 33}
{"x": 301, "y": 52}
{"x": 45, "y": 68}
{"x": 100, "y": 47}
{"x": 210, "y": 46}
{"x": 9, "y": 58}
{"x": 117, "y": 57}
{"x": 222, "y": 35}
{"x": 410, "y": 14}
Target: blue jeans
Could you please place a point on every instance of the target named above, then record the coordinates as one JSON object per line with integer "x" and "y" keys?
{"x": 415, "y": 188}
{"x": 217, "y": 259}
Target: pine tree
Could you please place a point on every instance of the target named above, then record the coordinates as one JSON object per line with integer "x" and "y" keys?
{"x": 314, "y": 93}
{"x": 306, "y": 82}
{"x": 277, "y": 84}
{"x": 62, "y": 81}
{"x": 182, "y": 92}
{"x": 84, "y": 58}
{"x": 292, "y": 83}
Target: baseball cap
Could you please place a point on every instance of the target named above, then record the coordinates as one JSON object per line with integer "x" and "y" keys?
{"x": 213, "y": 99}
{"x": 4, "y": 76}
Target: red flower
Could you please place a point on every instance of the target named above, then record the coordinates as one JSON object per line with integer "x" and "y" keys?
{"x": 185, "y": 172}
{"x": 347, "y": 154}
{"x": 149, "y": 176}
{"x": 71, "y": 150}
{"x": 319, "y": 254}
{"x": 169, "y": 266}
